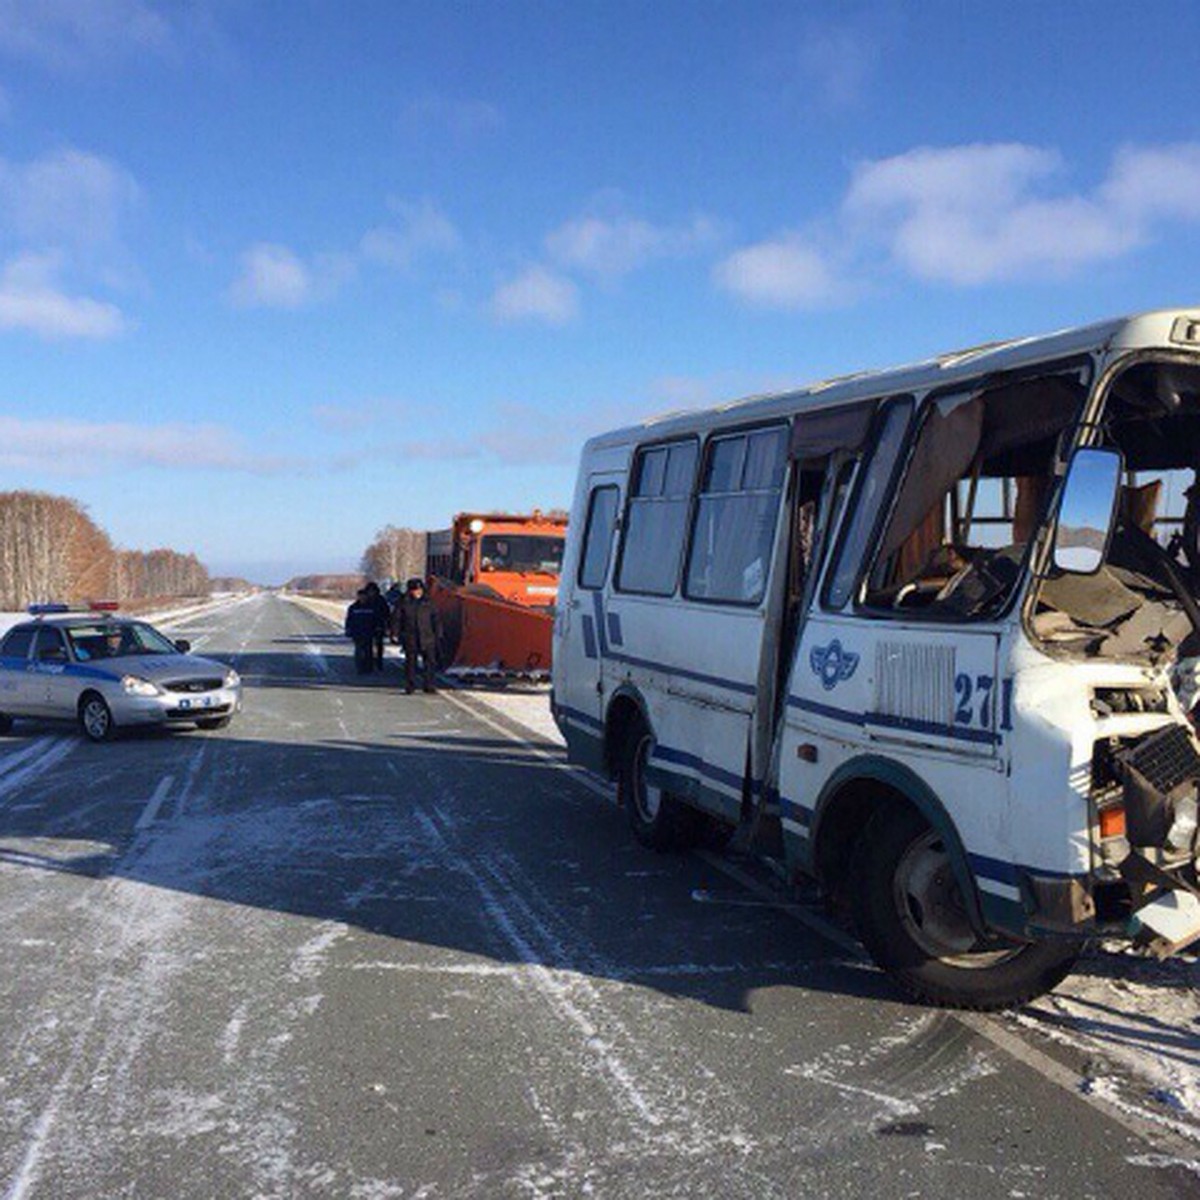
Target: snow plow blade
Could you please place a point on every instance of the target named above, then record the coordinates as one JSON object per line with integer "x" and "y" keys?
{"x": 484, "y": 636}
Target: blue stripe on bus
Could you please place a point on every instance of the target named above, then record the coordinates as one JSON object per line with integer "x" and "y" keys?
{"x": 614, "y": 629}
{"x": 910, "y": 724}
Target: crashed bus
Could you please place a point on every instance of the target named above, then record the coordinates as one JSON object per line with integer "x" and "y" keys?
{"x": 930, "y": 636}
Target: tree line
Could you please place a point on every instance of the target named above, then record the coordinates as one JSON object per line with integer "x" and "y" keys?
{"x": 50, "y": 549}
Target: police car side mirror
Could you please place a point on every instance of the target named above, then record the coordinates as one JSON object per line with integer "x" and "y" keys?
{"x": 1085, "y": 515}
{"x": 183, "y": 645}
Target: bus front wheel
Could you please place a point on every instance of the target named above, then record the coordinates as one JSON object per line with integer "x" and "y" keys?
{"x": 657, "y": 819}
{"x": 911, "y": 917}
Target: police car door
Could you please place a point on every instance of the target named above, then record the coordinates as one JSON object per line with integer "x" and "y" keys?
{"x": 50, "y": 688}
{"x": 15, "y": 674}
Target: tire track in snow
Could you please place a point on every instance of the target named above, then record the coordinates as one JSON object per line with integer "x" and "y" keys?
{"x": 662, "y": 1118}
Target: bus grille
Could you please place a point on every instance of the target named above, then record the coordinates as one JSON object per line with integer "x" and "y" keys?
{"x": 915, "y": 682}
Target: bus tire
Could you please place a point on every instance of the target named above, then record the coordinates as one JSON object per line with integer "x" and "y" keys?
{"x": 910, "y": 916}
{"x": 658, "y": 820}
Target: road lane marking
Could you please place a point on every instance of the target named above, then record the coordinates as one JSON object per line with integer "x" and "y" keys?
{"x": 150, "y": 812}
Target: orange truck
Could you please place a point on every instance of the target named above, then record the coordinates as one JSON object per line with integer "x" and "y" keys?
{"x": 494, "y": 580}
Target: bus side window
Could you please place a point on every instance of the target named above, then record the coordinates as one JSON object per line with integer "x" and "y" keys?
{"x": 869, "y": 496}
{"x": 597, "y": 537}
{"x": 734, "y": 531}
{"x": 656, "y": 520}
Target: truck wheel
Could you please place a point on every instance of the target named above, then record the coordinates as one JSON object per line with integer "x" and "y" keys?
{"x": 95, "y": 718}
{"x": 657, "y": 819}
{"x": 910, "y": 915}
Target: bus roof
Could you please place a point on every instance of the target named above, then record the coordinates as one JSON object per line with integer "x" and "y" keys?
{"x": 1175, "y": 328}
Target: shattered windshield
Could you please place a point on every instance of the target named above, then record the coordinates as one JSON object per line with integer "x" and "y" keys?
{"x": 972, "y": 497}
{"x": 1135, "y": 605}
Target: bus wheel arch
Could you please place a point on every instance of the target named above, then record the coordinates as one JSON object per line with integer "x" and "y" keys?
{"x": 848, "y": 802}
{"x": 625, "y": 708}
{"x": 658, "y": 819}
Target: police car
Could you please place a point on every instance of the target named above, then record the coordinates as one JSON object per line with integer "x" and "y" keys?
{"x": 109, "y": 672}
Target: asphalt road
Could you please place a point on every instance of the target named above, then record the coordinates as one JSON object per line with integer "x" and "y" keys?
{"x": 368, "y": 945}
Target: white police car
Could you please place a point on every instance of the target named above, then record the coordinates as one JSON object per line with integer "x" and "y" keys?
{"x": 109, "y": 672}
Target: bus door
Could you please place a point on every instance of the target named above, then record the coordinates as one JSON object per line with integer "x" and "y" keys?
{"x": 582, "y": 624}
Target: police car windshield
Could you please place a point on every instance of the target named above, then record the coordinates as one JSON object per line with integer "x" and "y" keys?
{"x": 112, "y": 639}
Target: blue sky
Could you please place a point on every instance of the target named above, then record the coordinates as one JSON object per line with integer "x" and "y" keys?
{"x": 274, "y": 275}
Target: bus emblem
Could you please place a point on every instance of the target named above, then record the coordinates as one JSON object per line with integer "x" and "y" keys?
{"x": 832, "y": 664}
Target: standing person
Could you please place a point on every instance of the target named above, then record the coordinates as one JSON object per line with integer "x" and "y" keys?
{"x": 383, "y": 614}
{"x": 362, "y": 621}
{"x": 416, "y": 623}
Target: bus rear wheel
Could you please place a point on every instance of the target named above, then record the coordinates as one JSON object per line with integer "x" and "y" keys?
{"x": 911, "y": 917}
{"x": 658, "y": 820}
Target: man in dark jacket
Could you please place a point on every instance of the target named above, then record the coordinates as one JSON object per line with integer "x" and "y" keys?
{"x": 416, "y": 624}
{"x": 362, "y": 620}
{"x": 383, "y": 614}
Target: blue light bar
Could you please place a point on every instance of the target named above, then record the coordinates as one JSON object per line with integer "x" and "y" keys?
{"x": 41, "y": 610}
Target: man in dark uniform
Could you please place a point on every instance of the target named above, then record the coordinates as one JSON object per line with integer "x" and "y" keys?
{"x": 362, "y": 620}
{"x": 383, "y": 614}
{"x": 416, "y": 624}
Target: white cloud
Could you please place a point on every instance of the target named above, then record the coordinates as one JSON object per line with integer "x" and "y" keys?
{"x": 1155, "y": 181}
{"x": 784, "y": 272}
{"x": 32, "y": 301}
{"x": 68, "y": 198}
{"x": 275, "y": 276}
{"x": 67, "y": 33}
{"x": 972, "y": 215}
{"x": 272, "y": 276}
{"x": 610, "y": 247}
{"x": 537, "y": 294}
{"x": 421, "y": 228}
{"x": 72, "y": 447}
{"x": 977, "y": 214}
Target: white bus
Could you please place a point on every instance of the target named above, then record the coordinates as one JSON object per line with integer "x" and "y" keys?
{"x": 928, "y": 635}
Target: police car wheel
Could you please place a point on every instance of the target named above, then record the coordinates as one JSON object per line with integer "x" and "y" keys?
{"x": 95, "y": 718}
{"x": 911, "y": 918}
{"x": 658, "y": 820}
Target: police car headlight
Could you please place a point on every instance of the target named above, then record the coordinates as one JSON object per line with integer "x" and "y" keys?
{"x": 232, "y": 678}
{"x": 134, "y": 686}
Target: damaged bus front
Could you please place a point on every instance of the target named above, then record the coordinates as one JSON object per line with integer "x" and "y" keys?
{"x": 1117, "y": 603}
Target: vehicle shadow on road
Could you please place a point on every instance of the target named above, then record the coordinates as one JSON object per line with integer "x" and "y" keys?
{"x": 456, "y": 849}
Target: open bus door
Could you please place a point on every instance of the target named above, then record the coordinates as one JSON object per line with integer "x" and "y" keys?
{"x": 582, "y": 624}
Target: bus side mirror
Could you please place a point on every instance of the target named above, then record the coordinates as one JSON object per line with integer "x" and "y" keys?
{"x": 1085, "y": 516}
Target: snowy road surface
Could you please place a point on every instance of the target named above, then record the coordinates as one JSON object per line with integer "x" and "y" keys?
{"x": 367, "y": 945}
